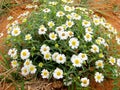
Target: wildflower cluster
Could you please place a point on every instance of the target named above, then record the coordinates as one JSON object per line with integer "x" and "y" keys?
{"x": 64, "y": 42}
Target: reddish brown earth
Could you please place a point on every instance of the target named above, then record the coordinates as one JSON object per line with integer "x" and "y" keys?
{"x": 103, "y": 9}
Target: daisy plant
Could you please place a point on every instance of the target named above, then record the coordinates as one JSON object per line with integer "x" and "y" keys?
{"x": 64, "y": 42}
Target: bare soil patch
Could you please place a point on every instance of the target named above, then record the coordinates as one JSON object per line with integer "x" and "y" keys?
{"x": 103, "y": 9}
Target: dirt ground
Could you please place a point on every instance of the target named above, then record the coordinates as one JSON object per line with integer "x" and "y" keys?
{"x": 104, "y": 9}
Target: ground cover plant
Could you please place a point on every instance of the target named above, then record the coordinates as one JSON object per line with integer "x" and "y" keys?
{"x": 64, "y": 42}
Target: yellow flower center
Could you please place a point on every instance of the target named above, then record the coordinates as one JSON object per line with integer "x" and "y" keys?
{"x": 13, "y": 52}
{"x": 77, "y": 61}
{"x": 88, "y": 36}
{"x": 83, "y": 55}
{"x": 31, "y": 68}
{"x": 24, "y": 53}
{"x": 58, "y": 73}
{"x": 73, "y": 43}
{"x": 69, "y": 23}
{"x": 47, "y": 55}
{"x": 42, "y": 29}
{"x": 40, "y": 64}
{"x": 89, "y": 29}
{"x": 53, "y": 36}
{"x": 60, "y": 58}
{"x": 100, "y": 64}
{"x": 112, "y": 60}
{"x": 45, "y": 73}
{"x": 25, "y": 71}
{"x": 14, "y": 62}
{"x": 27, "y": 63}
{"x": 95, "y": 48}
{"x": 15, "y": 31}
{"x": 60, "y": 13}
{"x": 51, "y": 24}
{"x": 98, "y": 77}
{"x": 63, "y": 34}
{"x": 85, "y": 22}
{"x": 84, "y": 81}
{"x": 96, "y": 21}
{"x": 28, "y": 37}
{"x": 45, "y": 49}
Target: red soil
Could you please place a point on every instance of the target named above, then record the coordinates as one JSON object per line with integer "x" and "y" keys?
{"x": 107, "y": 12}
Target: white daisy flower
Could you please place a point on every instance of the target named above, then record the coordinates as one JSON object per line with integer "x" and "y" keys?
{"x": 102, "y": 40}
{"x": 83, "y": 56}
{"x": 47, "y": 56}
{"x": 99, "y": 64}
{"x": 15, "y": 23}
{"x": 28, "y": 37}
{"x": 58, "y": 73}
{"x": 95, "y": 16}
{"x": 27, "y": 62}
{"x": 46, "y": 10}
{"x": 68, "y": 81}
{"x": 99, "y": 77}
{"x": 45, "y": 73}
{"x": 86, "y": 23}
{"x": 53, "y": 36}
{"x": 112, "y": 60}
{"x": 1, "y": 35}
{"x": 61, "y": 58}
{"x": 60, "y": 14}
{"x": 96, "y": 21}
{"x": 102, "y": 20}
{"x": 76, "y": 61}
{"x": 67, "y": 8}
{"x": 76, "y": 16}
{"x": 98, "y": 41}
{"x": 69, "y": 24}
{"x": 44, "y": 49}
{"x": 25, "y": 54}
{"x": 101, "y": 55}
{"x": 118, "y": 62}
{"x": 16, "y": 31}
{"x": 70, "y": 34}
{"x": 54, "y": 56}
{"x": 69, "y": 16}
{"x": 85, "y": 82}
{"x": 94, "y": 49}
{"x": 59, "y": 29}
{"x": 89, "y": 30}
{"x": 88, "y": 37}
{"x": 9, "y": 29}
{"x": 106, "y": 25}
{"x": 72, "y": 8}
{"x": 53, "y": 3}
{"x": 12, "y": 52}
{"x": 64, "y": 26}
{"x": 51, "y": 24}
{"x": 42, "y": 30}
{"x": 115, "y": 32}
{"x": 111, "y": 29}
{"x": 15, "y": 57}
{"x": 30, "y": 6}
{"x": 118, "y": 41}
{"x": 14, "y": 63}
{"x": 105, "y": 44}
{"x": 10, "y": 18}
{"x": 67, "y": 1}
{"x": 74, "y": 43}
{"x": 32, "y": 69}
{"x": 25, "y": 71}
{"x": 63, "y": 35}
